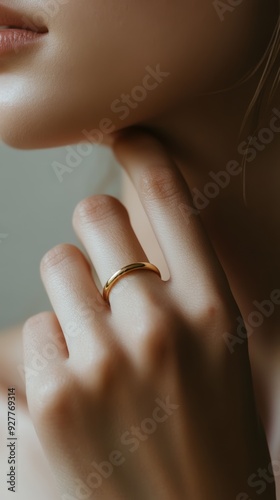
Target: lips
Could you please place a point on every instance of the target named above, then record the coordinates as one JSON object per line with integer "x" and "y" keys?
{"x": 10, "y": 19}
{"x": 18, "y": 31}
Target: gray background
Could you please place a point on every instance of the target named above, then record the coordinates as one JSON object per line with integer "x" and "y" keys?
{"x": 36, "y": 209}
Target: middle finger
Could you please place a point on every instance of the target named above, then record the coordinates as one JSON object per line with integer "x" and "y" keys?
{"x": 195, "y": 271}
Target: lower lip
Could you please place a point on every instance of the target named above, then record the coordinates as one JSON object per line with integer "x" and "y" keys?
{"x": 12, "y": 40}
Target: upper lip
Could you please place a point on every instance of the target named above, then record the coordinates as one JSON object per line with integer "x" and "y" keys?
{"x": 11, "y": 18}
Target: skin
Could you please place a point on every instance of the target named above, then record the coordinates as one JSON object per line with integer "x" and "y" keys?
{"x": 78, "y": 91}
{"x": 157, "y": 338}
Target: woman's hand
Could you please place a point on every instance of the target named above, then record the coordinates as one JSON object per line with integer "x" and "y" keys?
{"x": 143, "y": 399}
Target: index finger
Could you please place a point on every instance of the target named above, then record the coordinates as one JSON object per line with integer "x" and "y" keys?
{"x": 195, "y": 271}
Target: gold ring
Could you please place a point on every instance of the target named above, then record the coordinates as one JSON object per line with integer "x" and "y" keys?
{"x": 124, "y": 270}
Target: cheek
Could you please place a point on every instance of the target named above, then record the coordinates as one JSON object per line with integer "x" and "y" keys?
{"x": 94, "y": 63}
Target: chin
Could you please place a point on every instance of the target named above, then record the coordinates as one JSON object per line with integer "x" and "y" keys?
{"x": 37, "y": 126}
{"x": 23, "y": 131}
{"x": 20, "y": 139}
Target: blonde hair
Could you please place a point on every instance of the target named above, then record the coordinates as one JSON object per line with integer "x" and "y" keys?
{"x": 271, "y": 72}
{"x": 265, "y": 91}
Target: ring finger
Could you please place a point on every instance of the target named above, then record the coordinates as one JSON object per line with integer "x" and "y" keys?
{"x": 102, "y": 224}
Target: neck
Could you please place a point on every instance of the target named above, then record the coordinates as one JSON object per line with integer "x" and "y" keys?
{"x": 204, "y": 137}
{"x": 205, "y": 134}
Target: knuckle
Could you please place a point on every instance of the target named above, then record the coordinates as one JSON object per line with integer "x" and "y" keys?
{"x": 159, "y": 183}
{"x": 157, "y": 343}
{"x": 54, "y": 399}
{"x": 105, "y": 372}
{"x": 32, "y": 323}
{"x": 210, "y": 318}
{"x": 97, "y": 208}
{"x": 59, "y": 255}
{"x": 211, "y": 313}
